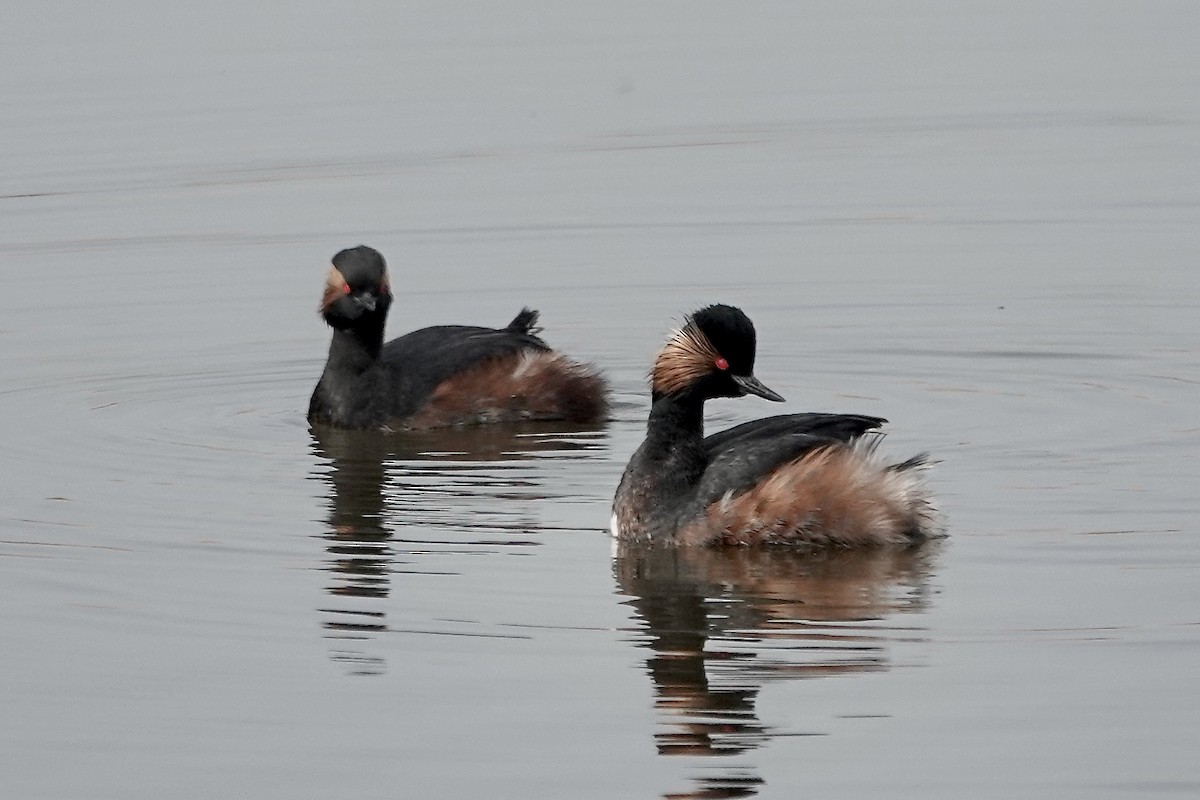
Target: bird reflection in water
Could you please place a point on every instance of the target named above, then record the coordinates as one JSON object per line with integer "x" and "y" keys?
{"x": 721, "y": 622}
{"x": 396, "y": 502}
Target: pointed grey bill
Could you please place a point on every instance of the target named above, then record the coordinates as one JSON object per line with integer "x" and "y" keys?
{"x": 753, "y": 385}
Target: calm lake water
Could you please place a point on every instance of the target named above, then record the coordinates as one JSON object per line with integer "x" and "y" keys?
{"x": 982, "y": 223}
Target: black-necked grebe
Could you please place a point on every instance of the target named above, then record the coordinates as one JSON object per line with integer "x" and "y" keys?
{"x": 441, "y": 376}
{"x": 793, "y": 479}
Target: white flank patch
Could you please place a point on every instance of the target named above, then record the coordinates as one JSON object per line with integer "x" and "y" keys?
{"x": 524, "y": 364}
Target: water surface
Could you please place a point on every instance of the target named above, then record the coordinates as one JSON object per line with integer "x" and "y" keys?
{"x": 980, "y": 223}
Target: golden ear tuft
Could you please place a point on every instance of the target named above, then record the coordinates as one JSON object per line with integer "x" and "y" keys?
{"x": 686, "y": 358}
{"x": 335, "y": 287}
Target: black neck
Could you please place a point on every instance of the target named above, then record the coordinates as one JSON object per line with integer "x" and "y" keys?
{"x": 676, "y": 417}
{"x": 673, "y": 454}
{"x": 356, "y": 349}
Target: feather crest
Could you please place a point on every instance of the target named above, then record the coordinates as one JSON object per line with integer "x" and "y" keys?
{"x": 686, "y": 358}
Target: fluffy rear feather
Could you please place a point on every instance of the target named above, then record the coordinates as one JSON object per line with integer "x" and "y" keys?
{"x": 841, "y": 495}
{"x": 532, "y": 385}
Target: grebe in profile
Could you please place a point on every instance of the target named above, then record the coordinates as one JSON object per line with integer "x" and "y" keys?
{"x": 805, "y": 479}
{"x": 442, "y": 376}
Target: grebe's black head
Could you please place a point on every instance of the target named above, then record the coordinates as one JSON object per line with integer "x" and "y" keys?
{"x": 712, "y": 354}
{"x": 357, "y": 288}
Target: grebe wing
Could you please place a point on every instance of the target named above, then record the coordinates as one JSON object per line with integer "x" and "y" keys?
{"x": 839, "y": 427}
{"x": 450, "y": 348}
{"x": 742, "y": 455}
{"x": 421, "y": 360}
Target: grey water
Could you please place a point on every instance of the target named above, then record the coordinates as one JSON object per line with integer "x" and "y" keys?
{"x": 980, "y": 221}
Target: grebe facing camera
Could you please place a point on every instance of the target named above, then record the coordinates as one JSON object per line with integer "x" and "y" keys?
{"x": 447, "y": 375}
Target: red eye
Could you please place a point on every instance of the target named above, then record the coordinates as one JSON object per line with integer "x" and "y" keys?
{"x": 721, "y": 363}
{"x": 345, "y": 288}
